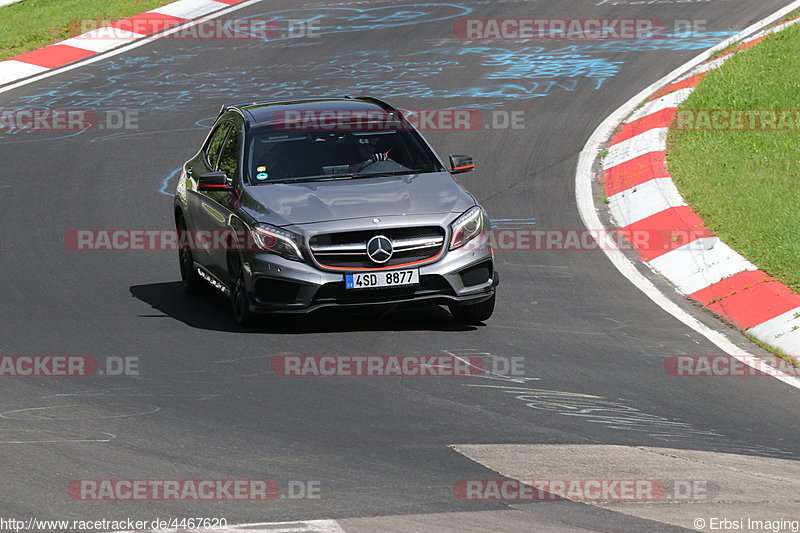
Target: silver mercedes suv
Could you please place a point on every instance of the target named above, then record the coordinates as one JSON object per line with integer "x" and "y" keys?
{"x": 294, "y": 206}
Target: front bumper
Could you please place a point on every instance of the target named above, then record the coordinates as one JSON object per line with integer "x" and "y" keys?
{"x": 277, "y": 285}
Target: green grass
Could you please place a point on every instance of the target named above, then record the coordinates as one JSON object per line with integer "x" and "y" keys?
{"x": 31, "y": 24}
{"x": 746, "y": 184}
{"x": 723, "y": 51}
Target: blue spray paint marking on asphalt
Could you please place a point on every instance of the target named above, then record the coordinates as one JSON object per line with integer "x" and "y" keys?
{"x": 165, "y": 182}
{"x": 23, "y": 130}
{"x": 512, "y": 72}
{"x": 347, "y": 19}
{"x": 165, "y": 189}
{"x": 535, "y": 73}
{"x": 409, "y": 75}
{"x": 203, "y": 124}
{"x": 122, "y": 62}
{"x": 512, "y": 223}
{"x": 124, "y": 135}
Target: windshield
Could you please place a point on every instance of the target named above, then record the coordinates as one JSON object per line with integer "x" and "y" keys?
{"x": 275, "y": 155}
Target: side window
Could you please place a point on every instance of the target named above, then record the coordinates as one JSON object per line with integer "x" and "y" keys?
{"x": 215, "y": 144}
{"x": 229, "y": 159}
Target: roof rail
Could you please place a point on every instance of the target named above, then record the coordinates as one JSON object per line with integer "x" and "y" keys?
{"x": 384, "y": 105}
{"x": 374, "y": 100}
{"x": 225, "y": 107}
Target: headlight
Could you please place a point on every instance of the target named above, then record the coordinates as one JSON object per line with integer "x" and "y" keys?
{"x": 467, "y": 227}
{"x": 277, "y": 241}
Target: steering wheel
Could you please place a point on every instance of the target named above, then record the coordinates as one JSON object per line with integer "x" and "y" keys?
{"x": 376, "y": 158}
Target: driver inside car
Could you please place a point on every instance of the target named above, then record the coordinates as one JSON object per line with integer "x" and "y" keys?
{"x": 368, "y": 156}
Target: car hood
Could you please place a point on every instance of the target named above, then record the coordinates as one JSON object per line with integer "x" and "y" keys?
{"x": 283, "y": 204}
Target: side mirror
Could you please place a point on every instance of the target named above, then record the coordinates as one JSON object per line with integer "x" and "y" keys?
{"x": 461, "y": 163}
{"x": 216, "y": 181}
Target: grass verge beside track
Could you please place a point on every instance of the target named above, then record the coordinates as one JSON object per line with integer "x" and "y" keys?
{"x": 32, "y": 24}
{"x": 744, "y": 181}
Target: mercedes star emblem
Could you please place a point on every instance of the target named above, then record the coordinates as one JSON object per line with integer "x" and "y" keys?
{"x": 379, "y": 249}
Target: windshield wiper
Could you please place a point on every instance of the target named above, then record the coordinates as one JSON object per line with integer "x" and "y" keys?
{"x": 322, "y": 177}
{"x": 345, "y": 176}
{"x": 387, "y": 173}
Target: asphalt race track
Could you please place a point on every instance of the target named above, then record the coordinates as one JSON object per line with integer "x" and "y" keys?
{"x": 205, "y": 404}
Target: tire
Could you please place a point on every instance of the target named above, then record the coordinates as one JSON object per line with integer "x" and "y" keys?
{"x": 191, "y": 280}
{"x": 240, "y": 299}
{"x": 473, "y": 314}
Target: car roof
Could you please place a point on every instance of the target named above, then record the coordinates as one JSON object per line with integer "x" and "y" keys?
{"x": 269, "y": 112}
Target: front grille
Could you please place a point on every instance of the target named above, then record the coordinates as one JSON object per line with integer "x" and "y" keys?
{"x": 349, "y": 249}
{"x": 336, "y": 293}
{"x": 477, "y": 275}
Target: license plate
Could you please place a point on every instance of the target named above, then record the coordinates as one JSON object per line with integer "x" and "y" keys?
{"x": 374, "y": 280}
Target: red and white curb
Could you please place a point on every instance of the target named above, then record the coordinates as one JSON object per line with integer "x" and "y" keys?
{"x": 97, "y": 41}
{"x": 643, "y": 198}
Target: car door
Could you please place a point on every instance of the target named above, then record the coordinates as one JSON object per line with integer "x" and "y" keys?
{"x": 205, "y": 162}
{"x": 219, "y": 205}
